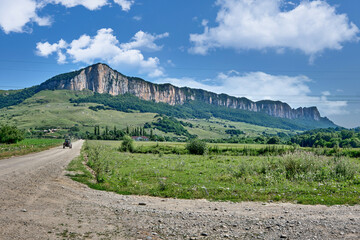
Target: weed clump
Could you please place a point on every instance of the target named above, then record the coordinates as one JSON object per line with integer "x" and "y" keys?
{"x": 127, "y": 144}
{"x": 196, "y": 147}
{"x": 308, "y": 166}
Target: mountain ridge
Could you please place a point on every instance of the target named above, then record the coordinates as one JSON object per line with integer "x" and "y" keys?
{"x": 100, "y": 78}
{"x": 127, "y": 94}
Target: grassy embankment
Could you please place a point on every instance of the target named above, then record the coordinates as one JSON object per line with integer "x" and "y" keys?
{"x": 27, "y": 146}
{"x": 279, "y": 173}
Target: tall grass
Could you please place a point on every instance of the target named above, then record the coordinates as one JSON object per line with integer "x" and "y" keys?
{"x": 247, "y": 150}
{"x": 301, "y": 166}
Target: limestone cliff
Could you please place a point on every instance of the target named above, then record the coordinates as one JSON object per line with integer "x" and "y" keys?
{"x": 101, "y": 78}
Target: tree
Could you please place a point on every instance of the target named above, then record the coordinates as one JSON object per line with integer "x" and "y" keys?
{"x": 75, "y": 129}
{"x": 151, "y": 135}
{"x": 97, "y": 130}
{"x": 10, "y": 134}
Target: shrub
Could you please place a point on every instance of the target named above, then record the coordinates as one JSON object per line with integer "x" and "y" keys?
{"x": 100, "y": 160}
{"x": 127, "y": 144}
{"x": 241, "y": 170}
{"x": 10, "y": 134}
{"x": 303, "y": 165}
{"x": 274, "y": 140}
{"x": 196, "y": 146}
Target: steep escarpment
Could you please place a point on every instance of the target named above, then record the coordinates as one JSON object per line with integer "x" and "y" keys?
{"x": 100, "y": 78}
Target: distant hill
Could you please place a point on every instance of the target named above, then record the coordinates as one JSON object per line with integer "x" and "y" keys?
{"x": 122, "y": 93}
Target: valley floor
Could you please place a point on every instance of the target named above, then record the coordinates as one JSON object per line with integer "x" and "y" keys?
{"x": 37, "y": 201}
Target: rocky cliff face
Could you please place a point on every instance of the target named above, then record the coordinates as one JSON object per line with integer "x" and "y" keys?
{"x": 101, "y": 78}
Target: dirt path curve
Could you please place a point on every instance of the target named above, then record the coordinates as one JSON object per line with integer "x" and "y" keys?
{"x": 37, "y": 201}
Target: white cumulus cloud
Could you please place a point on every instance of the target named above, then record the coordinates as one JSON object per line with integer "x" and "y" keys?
{"x": 104, "y": 46}
{"x": 311, "y": 27}
{"x": 144, "y": 41}
{"x": 256, "y": 86}
{"x": 125, "y": 4}
{"x": 46, "y": 49}
{"x": 93, "y": 4}
{"x": 15, "y": 15}
{"x": 89, "y": 4}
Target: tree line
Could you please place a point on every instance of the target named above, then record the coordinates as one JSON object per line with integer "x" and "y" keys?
{"x": 329, "y": 137}
{"x": 117, "y": 134}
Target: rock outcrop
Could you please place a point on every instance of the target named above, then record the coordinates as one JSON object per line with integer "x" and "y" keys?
{"x": 100, "y": 78}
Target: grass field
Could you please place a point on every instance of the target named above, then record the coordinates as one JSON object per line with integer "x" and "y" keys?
{"x": 296, "y": 176}
{"x": 27, "y": 146}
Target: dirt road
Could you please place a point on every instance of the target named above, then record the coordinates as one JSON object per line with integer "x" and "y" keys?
{"x": 37, "y": 201}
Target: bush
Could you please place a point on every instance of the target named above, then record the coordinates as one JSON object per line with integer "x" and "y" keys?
{"x": 10, "y": 134}
{"x": 196, "y": 146}
{"x": 127, "y": 144}
{"x": 274, "y": 140}
{"x": 344, "y": 169}
{"x": 75, "y": 129}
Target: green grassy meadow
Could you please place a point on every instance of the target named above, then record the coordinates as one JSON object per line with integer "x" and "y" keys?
{"x": 294, "y": 175}
{"x": 27, "y": 146}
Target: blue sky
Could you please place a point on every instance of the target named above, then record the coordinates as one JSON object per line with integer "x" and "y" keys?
{"x": 305, "y": 53}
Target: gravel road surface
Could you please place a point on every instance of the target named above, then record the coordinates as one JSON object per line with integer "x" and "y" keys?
{"x": 37, "y": 201}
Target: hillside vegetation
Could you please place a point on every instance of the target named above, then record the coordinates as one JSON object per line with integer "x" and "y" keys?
{"x": 53, "y": 110}
{"x": 15, "y": 97}
{"x": 200, "y": 110}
